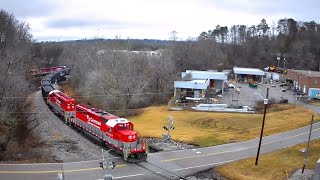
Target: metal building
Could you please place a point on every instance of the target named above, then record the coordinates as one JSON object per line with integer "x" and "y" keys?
{"x": 200, "y": 81}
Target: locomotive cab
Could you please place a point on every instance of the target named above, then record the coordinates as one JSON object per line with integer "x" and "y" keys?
{"x": 62, "y": 104}
{"x": 133, "y": 148}
{"x": 125, "y": 132}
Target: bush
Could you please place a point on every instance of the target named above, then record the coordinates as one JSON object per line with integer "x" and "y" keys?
{"x": 260, "y": 105}
{"x": 283, "y": 101}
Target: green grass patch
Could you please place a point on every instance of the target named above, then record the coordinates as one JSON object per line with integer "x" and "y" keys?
{"x": 208, "y": 141}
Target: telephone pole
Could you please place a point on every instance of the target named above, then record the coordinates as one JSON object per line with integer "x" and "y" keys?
{"x": 307, "y": 150}
{"x": 265, "y": 102}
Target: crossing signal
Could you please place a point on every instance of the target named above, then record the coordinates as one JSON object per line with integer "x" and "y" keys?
{"x": 101, "y": 165}
{"x": 113, "y": 165}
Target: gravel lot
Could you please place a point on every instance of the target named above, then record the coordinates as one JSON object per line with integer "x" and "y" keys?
{"x": 62, "y": 142}
{"x": 248, "y": 98}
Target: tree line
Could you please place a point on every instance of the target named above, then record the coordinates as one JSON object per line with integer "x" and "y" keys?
{"x": 15, "y": 56}
{"x": 296, "y": 42}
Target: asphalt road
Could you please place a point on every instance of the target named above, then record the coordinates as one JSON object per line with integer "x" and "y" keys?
{"x": 163, "y": 165}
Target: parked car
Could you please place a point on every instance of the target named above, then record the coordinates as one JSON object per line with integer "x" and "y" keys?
{"x": 231, "y": 86}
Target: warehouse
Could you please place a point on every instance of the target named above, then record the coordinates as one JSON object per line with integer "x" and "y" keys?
{"x": 303, "y": 79}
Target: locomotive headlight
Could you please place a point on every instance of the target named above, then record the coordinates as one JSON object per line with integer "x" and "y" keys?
{"x": 130, "y": 137}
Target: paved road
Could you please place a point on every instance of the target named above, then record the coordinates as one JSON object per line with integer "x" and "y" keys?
{"x": 169, "y": 165}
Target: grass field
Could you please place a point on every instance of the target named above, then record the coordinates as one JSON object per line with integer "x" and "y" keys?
{"x": 210, "y": 128}
{"x": 275, "y": 165}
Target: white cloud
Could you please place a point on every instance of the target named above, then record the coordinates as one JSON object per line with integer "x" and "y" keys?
{"x": 147, "y": 18}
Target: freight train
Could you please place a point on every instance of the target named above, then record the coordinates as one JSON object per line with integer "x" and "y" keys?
{"x": 45, "y": 71}
{"x": 117, "y": 133}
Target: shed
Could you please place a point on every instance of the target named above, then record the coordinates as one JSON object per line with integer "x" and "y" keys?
{"x": 198, "y": 86}
{"x": 253, "y": 73}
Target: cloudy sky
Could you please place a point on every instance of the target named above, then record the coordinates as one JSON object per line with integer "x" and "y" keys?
{"x": 57, "y": 20}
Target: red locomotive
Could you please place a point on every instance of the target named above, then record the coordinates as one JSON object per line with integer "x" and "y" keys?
{"x": 117, "y": 133}
{"x": 62, "y": 104}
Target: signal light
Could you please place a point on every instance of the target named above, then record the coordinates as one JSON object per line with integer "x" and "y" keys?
{"x": 101, "y": 165}
{"x": 113, "y": 164}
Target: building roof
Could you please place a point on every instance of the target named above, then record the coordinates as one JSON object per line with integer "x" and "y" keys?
{"x": 307, "y": 73}
{"x": 194, "y": 84}
{"x": 204, "y": 75}
{"x": 249, "y": 71}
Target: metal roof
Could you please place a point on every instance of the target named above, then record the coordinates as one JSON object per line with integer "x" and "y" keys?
{"x": 113, "y": 122}
{"x": 194, "y": 84}
{"x": 204, "y": 75}
{"x": 249, "y": 71}
{"x": 308, "y": 73}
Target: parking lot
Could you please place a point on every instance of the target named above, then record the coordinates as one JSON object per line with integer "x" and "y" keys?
{"x": 246, "y": 97}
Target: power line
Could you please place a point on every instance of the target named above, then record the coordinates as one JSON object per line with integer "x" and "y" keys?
{"x": 26, "y": 112}
{"x": 97, "y": 95}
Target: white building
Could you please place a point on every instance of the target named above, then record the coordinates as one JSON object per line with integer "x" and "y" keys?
{"x": 199, "y": 81}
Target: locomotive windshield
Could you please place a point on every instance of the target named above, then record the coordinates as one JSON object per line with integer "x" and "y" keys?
{"x": 124, "y": 126}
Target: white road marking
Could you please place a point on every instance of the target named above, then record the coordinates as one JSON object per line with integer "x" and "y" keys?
{"x": 217, "y": 163}
{"x": 120, "y": 177}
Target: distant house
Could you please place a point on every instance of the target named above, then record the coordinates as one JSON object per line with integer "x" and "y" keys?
{"x": 303, "y": 80}
{"x": 248, "y": 73}
{"x": 199, "y": 81}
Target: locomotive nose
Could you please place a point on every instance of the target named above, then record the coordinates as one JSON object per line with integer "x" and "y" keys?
{"x": 129, "y": 135}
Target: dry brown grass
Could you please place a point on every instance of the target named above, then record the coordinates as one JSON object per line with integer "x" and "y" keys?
{"x": 275, "y": 165}
{"x": 209, "y": 128}
{"x": 68, "y": 89}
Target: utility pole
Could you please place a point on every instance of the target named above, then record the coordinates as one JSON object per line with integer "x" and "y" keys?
{"x": 307, "y": 150}
{"x": 284, "y": 63}
{"x": 278, "y": 59}
{"x": 265, "y": 102}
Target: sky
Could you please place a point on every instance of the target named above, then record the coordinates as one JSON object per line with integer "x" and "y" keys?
{"x": 59, "y": 20}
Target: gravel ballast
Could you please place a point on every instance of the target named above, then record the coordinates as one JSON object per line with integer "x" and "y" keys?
{"x": 63, "y": 143}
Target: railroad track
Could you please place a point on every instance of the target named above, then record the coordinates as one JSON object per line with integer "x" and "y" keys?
{"x": 159, "y": 171}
